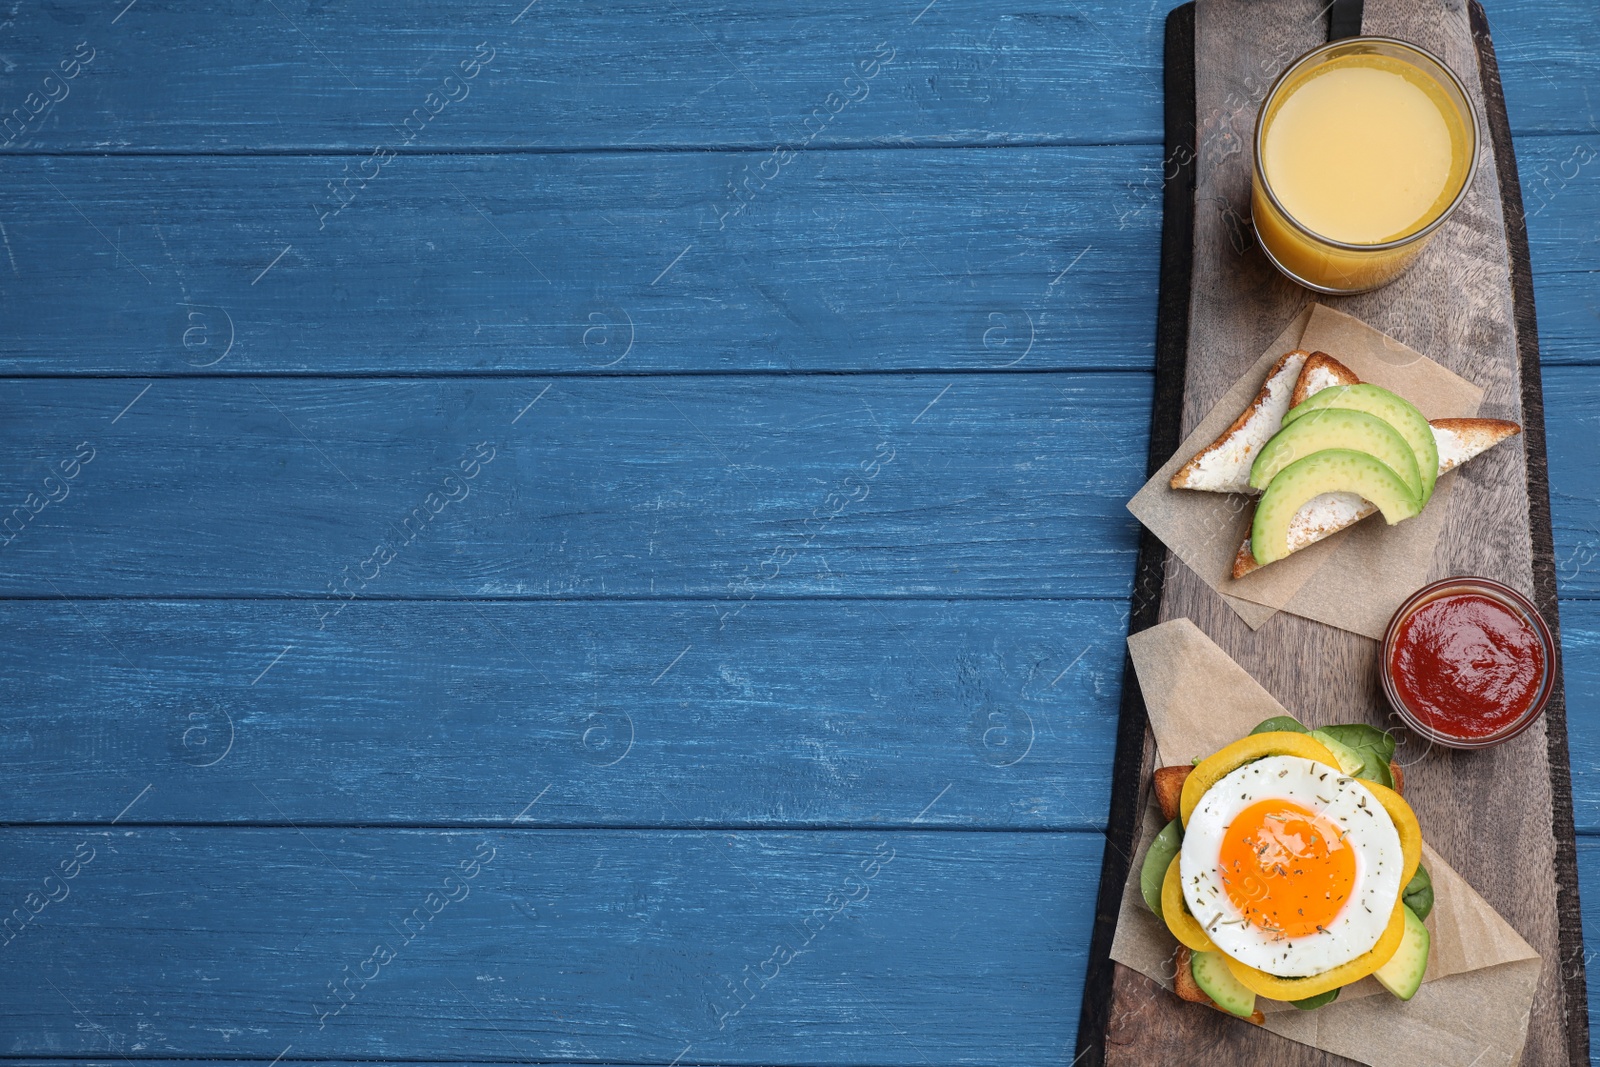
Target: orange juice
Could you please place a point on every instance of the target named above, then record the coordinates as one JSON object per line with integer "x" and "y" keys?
{"x": 1362, "y": 148}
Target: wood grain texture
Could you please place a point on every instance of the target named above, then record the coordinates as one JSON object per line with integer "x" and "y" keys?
{"x": 1559, "y": 199}
{"x": 1589, "y": 869}
{"x": 1572, "y": 962}
{"x": 1106, "y": 995}
{"x": 1580, "y": 636}
{"x": 696, "y": 73}
{"x": 1573, "y": 394}
{"x": 566, "y": 946}
{"x": 617, "y": 263}
{"x": 1455, "y": 306}
{"x": 1569, "y": 318}
{"x": 846, "y": 261}
{"x": 1232, "y": 67}
{"x": 730, "y": 489}
{"x": 606, "y": 714}
{"x": 1557, "y": 175}
{"x": 212, "y": 944}
{"x": 508, "y": 903}
{"x": 693, "y": 73}
{"x": 1542, "y": 48}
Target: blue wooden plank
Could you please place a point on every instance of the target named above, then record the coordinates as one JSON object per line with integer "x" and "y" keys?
{"x": 1558, "y": 187}
{"x": 724, "y": 488}
{"x": 1546, "y": 54}
{"x": 307, "y": 76}
{"x": 1569, "y": 317}
{"x": 1560, "y": 195}
{"x": 562, "y": 946}
{"x": 830, "y": 713}
{"x": 624, "y": 263}
{"x": 692, "y": 73}
{"x": 1572, "y": 422}
{"x": 1589, "y": 892}
{"x": 1580, "y": 636}
{"x": 612, "y": 263}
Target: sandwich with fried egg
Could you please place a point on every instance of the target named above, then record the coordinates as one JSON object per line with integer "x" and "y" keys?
{"x": 1290, "y": 867}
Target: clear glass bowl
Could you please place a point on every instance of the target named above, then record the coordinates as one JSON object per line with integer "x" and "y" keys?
{"x": 1506, "y": 597}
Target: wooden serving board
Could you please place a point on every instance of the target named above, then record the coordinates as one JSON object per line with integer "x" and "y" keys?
{"x": 1503, "y": 817}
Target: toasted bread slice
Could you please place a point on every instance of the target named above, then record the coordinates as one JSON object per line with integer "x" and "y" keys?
{"x": 1458, "y": 440}
{"x": 1224, "y": 465}
{"x": 1461, "y": 439}
{"x": 1319, "y": 517}
{"x": 1187, "y": 988}
{"x": 1321, "y": 372}
{"x": 1183, "y": 982}
{"x": 1399, "y": 777}
{"x": 1168, "y": 782}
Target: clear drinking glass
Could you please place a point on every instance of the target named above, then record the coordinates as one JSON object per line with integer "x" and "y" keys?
{"x": 1331, "y": 262}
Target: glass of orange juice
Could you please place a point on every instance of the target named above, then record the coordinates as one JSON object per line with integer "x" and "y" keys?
{"x": 1364, "y": 146}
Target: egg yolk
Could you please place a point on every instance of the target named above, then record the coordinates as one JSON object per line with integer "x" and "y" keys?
{"x": 1286, "y": 868}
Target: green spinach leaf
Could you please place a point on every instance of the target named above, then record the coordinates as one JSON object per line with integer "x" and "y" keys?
{"x": 1418, "y": 893}
{"x": 1375, "y": 748}
{"x": 1312, "y": 1003}
{"x": 1279, "y": 722}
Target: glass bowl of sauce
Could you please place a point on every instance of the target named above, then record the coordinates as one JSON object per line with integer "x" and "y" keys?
{"x": 1468, "y": 662}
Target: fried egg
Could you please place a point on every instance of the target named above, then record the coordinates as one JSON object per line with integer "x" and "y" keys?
{"x": 1291, "y": 866}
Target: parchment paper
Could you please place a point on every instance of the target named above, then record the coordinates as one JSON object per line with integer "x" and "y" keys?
{"x": 1355, "y": 579}
{"x": 1472, "y": 1009}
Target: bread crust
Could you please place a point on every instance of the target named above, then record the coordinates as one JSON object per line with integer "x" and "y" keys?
{"x": 1459, "y": 440}
{"x": 1187, "y": 988}
{"x": 1223, "y": 465}
{"x": 1190, "y": 476}
{"x": 1168, "y": 784}
{"x": 1183, "y": 982}
{"x": 1321, "y": 371}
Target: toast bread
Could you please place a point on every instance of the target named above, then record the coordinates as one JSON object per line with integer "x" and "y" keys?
{"x": 1458, "y": 440}
{"x": 1224, "y": 465}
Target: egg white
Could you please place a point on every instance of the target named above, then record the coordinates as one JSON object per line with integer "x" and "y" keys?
{"x": 1344, "y": 801}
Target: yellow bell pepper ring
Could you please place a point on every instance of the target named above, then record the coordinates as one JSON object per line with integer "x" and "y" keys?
{"x": 1263, "y": 984}
{"x": 1189, "y": 932}
{"x": 1225, "y": 761}
{"x": 1405, "y": 821}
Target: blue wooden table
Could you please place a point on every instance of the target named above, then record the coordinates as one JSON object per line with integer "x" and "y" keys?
{"x": 503, "y": 563}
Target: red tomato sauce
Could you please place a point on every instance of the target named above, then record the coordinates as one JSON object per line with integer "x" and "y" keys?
{"x": 1466, "y": 665}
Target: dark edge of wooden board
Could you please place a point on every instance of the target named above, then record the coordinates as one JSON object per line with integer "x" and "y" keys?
{"x": 1166, "y": 417}
{"x": 1573, "y": 980}
{"x": 1172, "y": 336}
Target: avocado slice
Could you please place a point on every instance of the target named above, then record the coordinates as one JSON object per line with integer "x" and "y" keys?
{"x": 1163, "y": 850}
{"x": 1402, "y": 975}
{"x": 1329, "y": 471}
{"x": 1396, "y": 410}
{"x": 1350, "y": 761}
{"x": 1374, "y": 746}
{"x": 1211, "y": 974}
{"x": 1331, "y": 427}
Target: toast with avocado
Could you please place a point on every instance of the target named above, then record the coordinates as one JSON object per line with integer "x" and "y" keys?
{"x": 1224, "y": 465}
{"x": 1325, "y": 450}
{"x": 1457, "y": 441}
